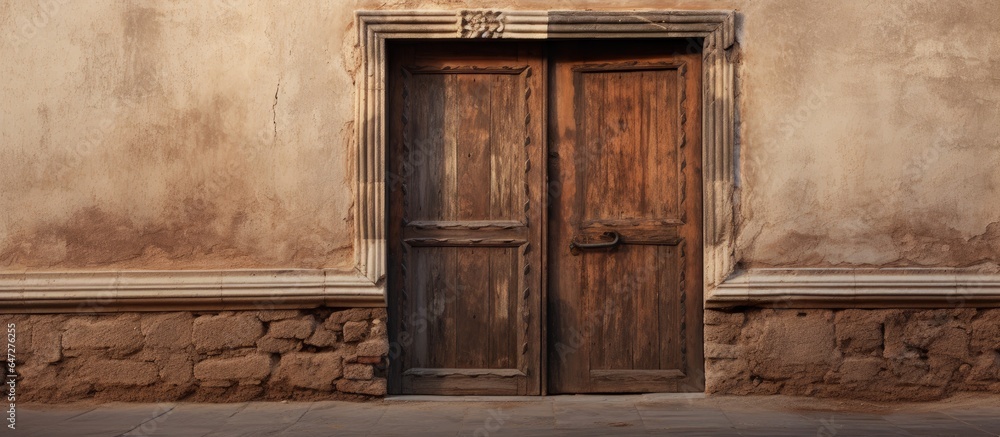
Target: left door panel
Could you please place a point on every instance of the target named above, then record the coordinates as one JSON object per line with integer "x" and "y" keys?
{"x": 465, "y": 170}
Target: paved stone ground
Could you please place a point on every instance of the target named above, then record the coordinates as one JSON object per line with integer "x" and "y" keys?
{"x": 966, "y": 415}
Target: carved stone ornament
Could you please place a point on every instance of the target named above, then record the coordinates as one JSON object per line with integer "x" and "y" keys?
{"x": 481, "y": 24}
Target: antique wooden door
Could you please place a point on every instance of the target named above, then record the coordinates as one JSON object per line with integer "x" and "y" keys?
{"x": 517, "y": 169}
{"x": 625, "y": 245}
{"x": 465, "y": 181}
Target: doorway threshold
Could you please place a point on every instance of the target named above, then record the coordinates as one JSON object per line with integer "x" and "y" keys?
{"x": 646, "y": 397}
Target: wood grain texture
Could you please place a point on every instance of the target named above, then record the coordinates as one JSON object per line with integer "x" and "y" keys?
{"x": 466, "y": 288}
{"x": 625, "y": 141}
{"x": 460, "y": 220}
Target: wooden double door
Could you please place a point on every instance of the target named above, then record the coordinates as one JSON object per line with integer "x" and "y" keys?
{"x": 544, "y": 220}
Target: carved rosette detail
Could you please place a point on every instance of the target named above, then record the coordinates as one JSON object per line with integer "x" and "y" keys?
{"x": 481, "y": 24}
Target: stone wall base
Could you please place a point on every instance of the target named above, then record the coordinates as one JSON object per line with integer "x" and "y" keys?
{"x": 868, "y": 354}
{"x": 229, "y": 356}
{"x": 330, "y": 353}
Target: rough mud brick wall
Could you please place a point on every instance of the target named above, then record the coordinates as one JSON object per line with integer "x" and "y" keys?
{"x": 215, "y": 357}
{"x": 873, "y": 354}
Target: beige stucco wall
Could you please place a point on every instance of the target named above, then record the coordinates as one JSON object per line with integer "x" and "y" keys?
{"x": 218, "y": 134}
{"x": 871, "y": 133}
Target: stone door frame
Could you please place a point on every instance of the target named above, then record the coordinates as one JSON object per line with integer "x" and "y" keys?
{"x": 711, "y": 32}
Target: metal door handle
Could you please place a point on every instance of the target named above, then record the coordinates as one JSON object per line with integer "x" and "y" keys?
{"x": 616, "y": 238}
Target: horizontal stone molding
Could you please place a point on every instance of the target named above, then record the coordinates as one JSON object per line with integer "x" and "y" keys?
{"x": 95, "y": 292}
{"x": 857, "y": 288}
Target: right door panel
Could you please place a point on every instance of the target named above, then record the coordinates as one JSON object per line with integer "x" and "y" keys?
{"x": 625, "y": 257}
